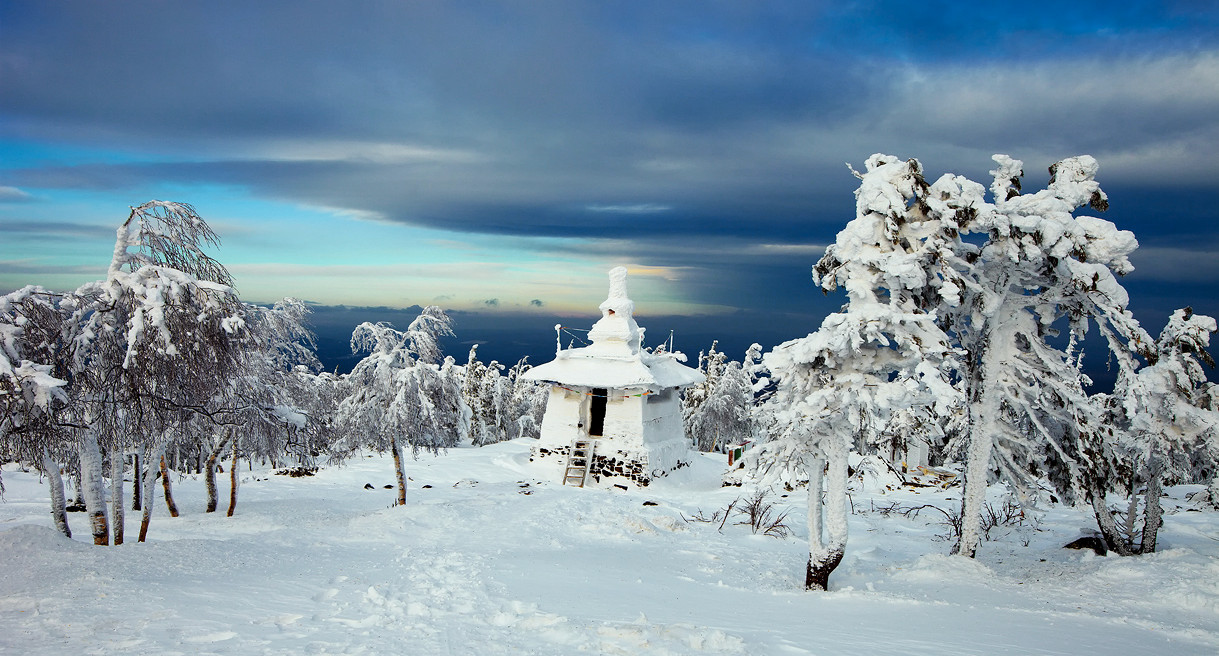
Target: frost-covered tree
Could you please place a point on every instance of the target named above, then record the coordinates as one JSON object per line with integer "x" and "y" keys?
{"x": 32, "y": 398}
{"x": 528, "y": 401}
{"x": 453, "y": 415}
{"x": 131, "y": 348}
{"x": 1027, "y": 264}
{"x": 494, "y": 424}
{"x": 1001, "y": 276}
{"x": 1162, "y": 428}
{"x": 759, "y": 376}
{"x": 391, "y": 394}
{"x": 711, "y": 364}
{"x": 501, "y": 405}
{"x": 837, "y": 388}
{"x": 261, "y": 409}
{"x": 141, "y": 355}
{"x": 725, "y": 415}
{"x": 472, "y": 393}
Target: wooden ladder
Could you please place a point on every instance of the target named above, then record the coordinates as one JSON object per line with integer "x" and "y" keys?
{"x": 577, "y": 463}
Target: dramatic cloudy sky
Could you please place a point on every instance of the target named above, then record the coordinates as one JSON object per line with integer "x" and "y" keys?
{"x": 500, "y": 157}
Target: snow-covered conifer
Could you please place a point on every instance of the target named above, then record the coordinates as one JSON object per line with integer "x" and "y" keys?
{"x": 710, "y": 363}
{"x": 528, "y": 402}
{"x": 1163, "y": 429}
{"x": 838, "y": 387}
{"x": 1035, "y": 264}
{"x": 725, "y": 415}
{"x": 491, "y": 401}
{"x": 999, "y": 276}
{"x": 471, "y": 391}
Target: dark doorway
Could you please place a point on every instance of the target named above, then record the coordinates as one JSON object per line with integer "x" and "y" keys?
{"x": 596, "y": 419}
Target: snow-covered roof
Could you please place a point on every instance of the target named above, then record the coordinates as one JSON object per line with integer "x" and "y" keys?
{"x": 585, "y": 367}
{"x": 614, "y": 359}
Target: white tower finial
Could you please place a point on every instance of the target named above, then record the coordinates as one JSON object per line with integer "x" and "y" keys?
{"x": 617, "y": 302}
{"x": 617, "y": 325}
{"x": 617, "y": 276}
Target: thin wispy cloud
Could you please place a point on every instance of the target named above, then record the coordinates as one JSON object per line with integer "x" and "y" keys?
{"x": 14, "y": 195}
{"x": 637, "y": 208}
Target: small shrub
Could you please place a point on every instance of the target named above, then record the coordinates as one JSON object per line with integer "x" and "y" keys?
{"x": 1009, "y": 513}
{"x": 762, "y": 517}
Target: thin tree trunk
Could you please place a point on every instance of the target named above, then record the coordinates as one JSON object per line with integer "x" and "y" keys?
{"x": 137, "y": 478}
{"x": 94, "y": 487}
{"x": 116, "y": 494}
{"x": 401, "y": 473}
{"x": 149, "y": 480}
{"x": 78, "y": 489}
{"x": 1152, "y": 512}
{"x": 984, "y": 416}
{"x": 822, "y": 564}
{"x": 55, "y": 481}
{"x": 974, "y": 495}
{"x": 169, "y": 493}
{"x": 1132, "y": 511}
{"x": 1104, "y": 520}
{"x": 233, "y": 482}
{"x": 209, "y": 473}
{"x": 816, "y": 538}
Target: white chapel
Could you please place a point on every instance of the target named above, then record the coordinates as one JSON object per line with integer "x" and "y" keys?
{"x": 614, "y": 412}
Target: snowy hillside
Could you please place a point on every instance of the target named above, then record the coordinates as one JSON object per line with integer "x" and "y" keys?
{"x": 490, "y": 559}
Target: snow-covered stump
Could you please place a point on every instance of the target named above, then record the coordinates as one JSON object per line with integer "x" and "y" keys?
{"x": 116, "y": 494}
{"x": 59, "y": 513}
{"x": 93, "y": 487}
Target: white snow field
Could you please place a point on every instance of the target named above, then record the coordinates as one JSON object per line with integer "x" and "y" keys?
{"x": 492, "y": 559}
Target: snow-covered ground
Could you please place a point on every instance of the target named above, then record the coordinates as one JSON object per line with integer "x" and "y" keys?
{"x": 491, "y": 559}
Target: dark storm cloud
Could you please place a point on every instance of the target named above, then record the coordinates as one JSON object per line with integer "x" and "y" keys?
{"x": 704, "y": 137}
{"x": 561, "y": 106}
